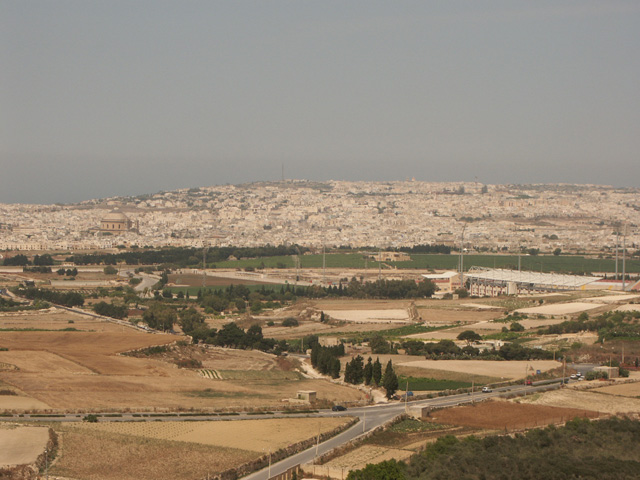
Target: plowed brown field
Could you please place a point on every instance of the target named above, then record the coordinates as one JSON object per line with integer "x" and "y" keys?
{"x": 499, "y": 414}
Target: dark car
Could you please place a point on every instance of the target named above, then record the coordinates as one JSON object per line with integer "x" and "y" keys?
{"x": 338, "y": 408}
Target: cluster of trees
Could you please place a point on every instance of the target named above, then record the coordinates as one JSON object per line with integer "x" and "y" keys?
{"x": 68, "y": 299}
{"x": 111, "y": 310}
{"x": 609, "y": 325}
{"x": 443, "y": 249}
{"x": 385, "y": 289}
{"x": 596, "y": 450}
{"x": 22, "y": 261}
{"x": 162, "y": 317}
{"x": 69, "y": 272}
{"x": 38, "y": 269}
{"x": 357, "y": 372}
{"x": 16, "y": 261}
{"x": 448, "y": 350}
{"x": 326, "y": 359}
{"x": 182, "y": 256}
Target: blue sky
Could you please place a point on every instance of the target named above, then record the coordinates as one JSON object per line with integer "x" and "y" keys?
{"x": 127, "y": 97}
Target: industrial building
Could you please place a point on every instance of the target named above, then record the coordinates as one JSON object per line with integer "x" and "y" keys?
{"x": 493, "y": 282}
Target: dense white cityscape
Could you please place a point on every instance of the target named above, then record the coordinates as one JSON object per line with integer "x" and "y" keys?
{"x": 507, "y": 218}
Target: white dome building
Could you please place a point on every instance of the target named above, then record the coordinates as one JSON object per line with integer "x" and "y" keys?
{"x": 116, "y": 222}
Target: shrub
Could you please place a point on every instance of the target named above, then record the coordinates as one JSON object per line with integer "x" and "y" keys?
{"x": 290, "y": 322}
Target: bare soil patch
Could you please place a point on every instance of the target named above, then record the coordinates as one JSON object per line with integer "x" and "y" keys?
{"x": 194, "y": 280}
{"x": 21, "y": 445}
{"x": 498, "y": 414}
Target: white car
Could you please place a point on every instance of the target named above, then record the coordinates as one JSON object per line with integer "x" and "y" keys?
{"x": 486, "y": 390}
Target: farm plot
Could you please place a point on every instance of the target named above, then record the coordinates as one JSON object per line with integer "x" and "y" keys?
{"x": 21, "y": 445}
{"x": 370, "y": 316}
{"x": 450, "y": 316}
{"x": 588, "y": 400}
{"x": 499, "y": 414}
{"x": 360, "y": 457}
{"x": 94, "y": 454}
{"x": 54, "y": 319}
{"x": 561, "y": 308}
{"x": 57, "y": 371}
{"x": 623, "y": 390}
{"x": 508, "y": 370}
{"x": 254, "y": 435}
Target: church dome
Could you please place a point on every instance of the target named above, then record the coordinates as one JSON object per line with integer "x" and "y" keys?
{"x": 115, "y": 216}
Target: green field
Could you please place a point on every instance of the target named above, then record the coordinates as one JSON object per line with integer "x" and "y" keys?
{"x": 537, "y": 263}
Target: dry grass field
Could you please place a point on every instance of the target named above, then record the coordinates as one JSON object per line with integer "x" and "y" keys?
{"x": 193, "y": 280}
{"x": 21, "y": 445}
{"x": 254, "y": 435}
{"x": 176, "y": 450}
{"x": 510, "y": 370}
{"x": 90, "y": 454}
{"x": 451, "y": 316}
{"x": 588, "y": 400}
{"x": 499, "y": 414}
{"x": 361, "y": 456}
{"x": 81, "y": 371}
{"x": 624, "y": 390}
{"x": 54, "y": 319}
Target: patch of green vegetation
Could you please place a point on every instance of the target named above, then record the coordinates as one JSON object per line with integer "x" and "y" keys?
{"x": 411, "y": 425}
{"x": 431, "y": 384}
{"x": 537, "y": 263}
{"x": 259, "y": 375}
{"x": 391, "y": 333}
{"x": 209, "y": 393}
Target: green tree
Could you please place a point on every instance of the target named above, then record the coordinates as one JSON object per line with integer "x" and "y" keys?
{"x": 469, "y": 336}
{"x": 516, "y": 327}
{"x": 110, "y": 270}
{"x": 557, "y": 251}
{"x": 290, "y": 322}
{"x": 390, "y": 380}
{"x": 386, "y": 470}
{"x": 368, "y": 372}
{"x": 377, "y": 371}
{"x": 190, "y": 319}
{"x": 379, "y": 345}
{"x": 159, "y": 317}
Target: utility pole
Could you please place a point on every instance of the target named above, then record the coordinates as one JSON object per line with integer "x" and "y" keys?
{"x": 324, "y": 265}
{"x": 462, "y": 257}
{"x": 205, "y": 247}
{"x": 473, "y": 381}
{"x": 364, "y": 422}
{"x": 624, "y": 255}
{"x": 406, "y": 398}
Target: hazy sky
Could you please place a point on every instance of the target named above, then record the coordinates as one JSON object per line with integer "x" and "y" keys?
{"x": 103, "y": 98}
